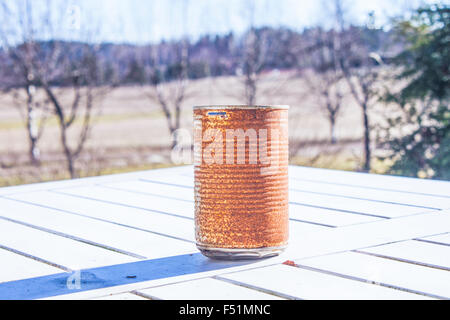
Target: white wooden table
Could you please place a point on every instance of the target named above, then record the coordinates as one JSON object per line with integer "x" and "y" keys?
{"x": 131, "y": 236}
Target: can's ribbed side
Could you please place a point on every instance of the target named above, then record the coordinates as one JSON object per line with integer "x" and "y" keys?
{"x": 242, "y": 205}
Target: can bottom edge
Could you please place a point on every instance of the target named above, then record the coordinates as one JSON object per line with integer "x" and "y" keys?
{"x": 240, "y": 253}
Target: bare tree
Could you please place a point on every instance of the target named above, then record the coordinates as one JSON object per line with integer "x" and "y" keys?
{"x": 82, "y": 82}
{"x": 164, "y": 69}
{"x": 168, "y": 88}
{"x": 249, "y": 56}
{"x": 252, "y": 63}
{"x": 18, "y": 37}
{"x": 360, "y": 67}
{"x": 253, "y": 54}
{"x": 68, "y": 80}
{"x": 362, "y": 73}
{"x": 256, "y": 51}
{"x": 326, "y": 77}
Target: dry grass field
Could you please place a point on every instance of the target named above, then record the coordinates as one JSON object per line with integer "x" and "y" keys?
{"x": 130, "y": 132}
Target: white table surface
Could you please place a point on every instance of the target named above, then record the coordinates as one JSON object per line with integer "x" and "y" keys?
{"x": 131, "y": 236}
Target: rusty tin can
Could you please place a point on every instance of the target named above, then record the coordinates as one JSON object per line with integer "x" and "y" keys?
{"x": 241, "y": 180}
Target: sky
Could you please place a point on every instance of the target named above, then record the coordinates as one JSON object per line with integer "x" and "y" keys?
{"x": 140, "y": 21}
{"x": 150, "y": 21}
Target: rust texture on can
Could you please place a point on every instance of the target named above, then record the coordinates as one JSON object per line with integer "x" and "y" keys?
{"x": 241, "y": 205}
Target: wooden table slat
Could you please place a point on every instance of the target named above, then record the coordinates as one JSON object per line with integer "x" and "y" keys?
{"x": 17, "y": 267}
{"x": 129, "y": 199}
{"x": 440, "y": 239}
{"x": 126, "y": 240}
{"x": 372, "y": 181}
{"x": 202, "y": 290}
{"x": 175, "y": 171}
{"x": 307, "y": 284}
{"x": 380, "y": 209}
{"x": 404, "y": 198}
{"x": 415, "y": 252}
{"x": 328, "y": 216}
{"x": 409, "y": 276}
{"x": 159, "y": 189}
{"x": 159, "y": 223}
{"x": 62, "y": 251}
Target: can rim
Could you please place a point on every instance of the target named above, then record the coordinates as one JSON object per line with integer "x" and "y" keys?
{"x": 241, "y": 106}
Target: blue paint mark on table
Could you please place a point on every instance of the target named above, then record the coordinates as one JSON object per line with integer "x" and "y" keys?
{"x": 109, "y": 276}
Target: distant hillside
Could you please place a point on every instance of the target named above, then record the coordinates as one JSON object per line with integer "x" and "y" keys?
{"x": 216, "y": 55}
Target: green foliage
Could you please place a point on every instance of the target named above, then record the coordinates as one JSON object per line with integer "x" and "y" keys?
{"x": 426, "y": 151}
{"x": 425, "y": 64}
{"x": 427, "y": 59}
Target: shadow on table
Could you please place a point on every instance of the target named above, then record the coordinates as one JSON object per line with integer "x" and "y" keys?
{"x": 114, "y": 275}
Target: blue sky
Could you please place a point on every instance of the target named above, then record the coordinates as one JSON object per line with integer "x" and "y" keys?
{"x": 149, "y": 21}
{"x": 144, "y": 21}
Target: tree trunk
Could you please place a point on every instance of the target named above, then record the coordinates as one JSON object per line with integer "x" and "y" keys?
{"x": 67, "y": 152}
{"x": 63, "y": 128}
{"x": 367, "y": 153}
{"x": 332, "y": 130}
{"x": 174, "y": 135}
{"x": 32, "y": 127}
{"x": 250, "y": 89}
{"x": 70, "y": 167}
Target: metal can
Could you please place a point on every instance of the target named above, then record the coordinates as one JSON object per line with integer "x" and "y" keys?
{"x": 241, "y": 180}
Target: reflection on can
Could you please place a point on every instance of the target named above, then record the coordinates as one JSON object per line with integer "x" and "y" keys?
{"x": 241, "y": 180}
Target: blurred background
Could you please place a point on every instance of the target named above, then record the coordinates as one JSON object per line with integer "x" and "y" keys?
{"x": 103, "y": 86}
